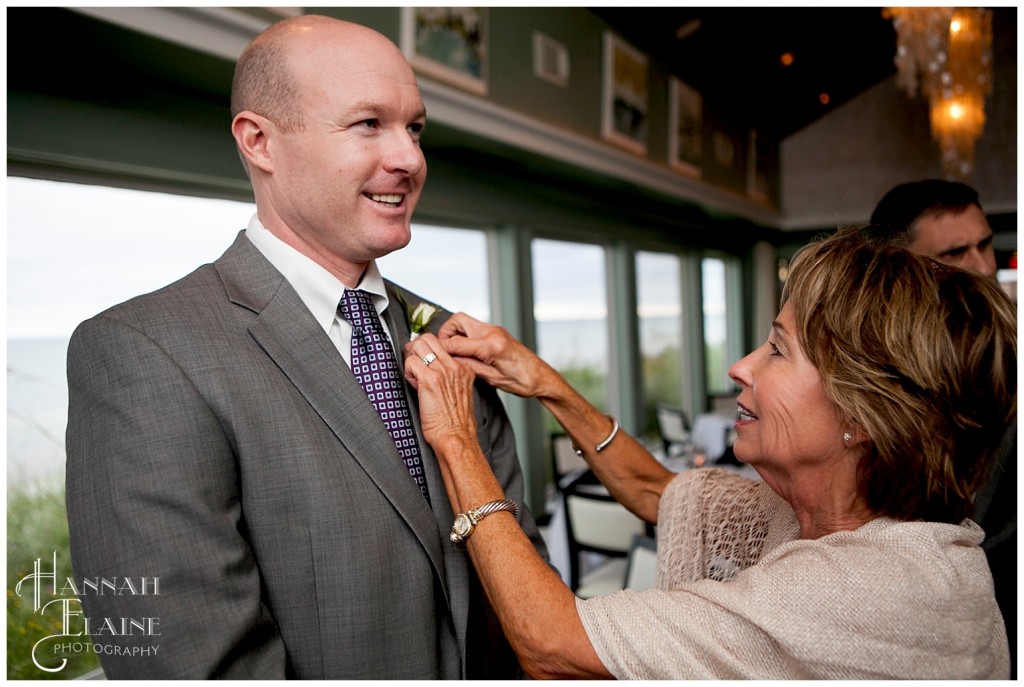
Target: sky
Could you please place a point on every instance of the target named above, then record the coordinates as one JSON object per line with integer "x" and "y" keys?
{"x": 74, "y": 250}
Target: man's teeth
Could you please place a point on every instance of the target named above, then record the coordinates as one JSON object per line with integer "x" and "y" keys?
{"x": 745, "y": 414}
{"x": 391, "y": 198}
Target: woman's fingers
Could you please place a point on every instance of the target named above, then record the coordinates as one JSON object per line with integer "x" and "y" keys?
{"x": 445, "y": 389}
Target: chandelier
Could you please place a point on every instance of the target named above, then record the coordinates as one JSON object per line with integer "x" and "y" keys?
{"x": 948, "y": 52}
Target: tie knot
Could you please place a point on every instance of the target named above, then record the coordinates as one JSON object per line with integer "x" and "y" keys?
{"x": 356, "y": 307}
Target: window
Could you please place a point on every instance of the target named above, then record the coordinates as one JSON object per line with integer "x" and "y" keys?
{"x": 72, "y": 251}
{"x": 75, "y": 250}
{"x": 659, "y": 311}
{"x": 723, "y": 336}
{"x": 445, "y": 266}
{"x": 571, "y": 310}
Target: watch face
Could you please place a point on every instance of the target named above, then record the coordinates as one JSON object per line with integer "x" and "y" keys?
{"x": 462, "y": 525}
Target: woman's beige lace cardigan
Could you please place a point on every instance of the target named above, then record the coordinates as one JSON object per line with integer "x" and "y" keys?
{"x": 740, "y": 596}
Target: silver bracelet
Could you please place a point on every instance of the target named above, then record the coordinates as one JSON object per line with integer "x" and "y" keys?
{"x": 604, "y": 444}
{"x": 494, "y": 507}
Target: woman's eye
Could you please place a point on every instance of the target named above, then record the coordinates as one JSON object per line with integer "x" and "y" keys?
{"x": 775, "y": 349}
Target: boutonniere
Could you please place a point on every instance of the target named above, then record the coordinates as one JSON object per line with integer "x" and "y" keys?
{"x": 420, "y": 317}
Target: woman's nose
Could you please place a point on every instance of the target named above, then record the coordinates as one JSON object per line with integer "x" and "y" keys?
{"x": 739, "y": 372}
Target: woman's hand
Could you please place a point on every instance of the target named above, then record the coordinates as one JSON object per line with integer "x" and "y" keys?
{"x": 495, "y": 356}
{"x": 445, "y": 392}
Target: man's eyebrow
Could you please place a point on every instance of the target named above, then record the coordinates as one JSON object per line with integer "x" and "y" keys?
{"x": 954, "y": 251}
{"x": 363, "y": 106}
{"x": 960, "y": 250}
{"x": 372, "y": 107}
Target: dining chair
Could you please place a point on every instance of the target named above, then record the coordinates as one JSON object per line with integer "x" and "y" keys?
{"x": 674, "y": 428}
{"x": 564, "y": 460}
{"x": 641, "y": 564}
{"x": 597, "y": 523}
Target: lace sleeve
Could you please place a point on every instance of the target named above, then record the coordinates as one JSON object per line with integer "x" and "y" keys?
{"x": 712, "y": 523}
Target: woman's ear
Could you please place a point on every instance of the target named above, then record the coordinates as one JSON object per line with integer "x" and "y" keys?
{"x": 252, "y": 133}
{"x": 854, "y": 436}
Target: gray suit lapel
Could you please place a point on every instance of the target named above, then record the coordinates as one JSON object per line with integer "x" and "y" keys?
{"x": 456, "y": 564}
{"x": 286, "y": 330}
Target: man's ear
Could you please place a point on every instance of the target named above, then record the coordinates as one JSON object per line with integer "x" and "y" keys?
{"x": 252, "y": 135}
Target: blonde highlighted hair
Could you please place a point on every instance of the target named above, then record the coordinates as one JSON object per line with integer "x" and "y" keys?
{"x": 922, "y": 356}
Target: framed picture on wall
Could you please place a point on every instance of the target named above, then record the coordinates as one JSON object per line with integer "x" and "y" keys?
{"x": 448, "y": 44}
{"x": 685, "y": 127}
{"x": 624, "y": 115}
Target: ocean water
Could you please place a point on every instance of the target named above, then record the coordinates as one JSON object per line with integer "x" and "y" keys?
{"x": 37, "y": 410}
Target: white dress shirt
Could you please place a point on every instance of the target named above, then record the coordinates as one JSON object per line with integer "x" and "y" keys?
{"x": 320, "y": 290}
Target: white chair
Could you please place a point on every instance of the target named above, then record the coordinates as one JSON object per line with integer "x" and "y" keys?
{"x": 674, "y": 428}
{"x": 565, "y": 460}
{"x": 641, "y": 564}
{"x": 595, "y": 522}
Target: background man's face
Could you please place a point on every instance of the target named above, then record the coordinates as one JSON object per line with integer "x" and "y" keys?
{"x": 963, "y": 239}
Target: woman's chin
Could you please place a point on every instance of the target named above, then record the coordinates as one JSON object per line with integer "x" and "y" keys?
{"x": 742, "y": 455}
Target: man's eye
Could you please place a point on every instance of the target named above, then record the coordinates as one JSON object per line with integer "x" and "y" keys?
{"x": 416, "y": 129}
{"x": 369, "y": 123}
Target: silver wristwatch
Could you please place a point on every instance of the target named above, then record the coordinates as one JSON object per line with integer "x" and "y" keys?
{"x": 465, "y": 522}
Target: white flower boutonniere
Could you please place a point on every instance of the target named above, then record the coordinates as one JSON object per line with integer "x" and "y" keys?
{"x": 420, "y": 318}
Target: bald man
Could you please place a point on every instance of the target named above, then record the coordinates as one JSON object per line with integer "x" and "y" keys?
{"x": 220, "y": 434}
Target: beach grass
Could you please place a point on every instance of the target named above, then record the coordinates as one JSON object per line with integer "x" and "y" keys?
{"x": 37, "y": 526}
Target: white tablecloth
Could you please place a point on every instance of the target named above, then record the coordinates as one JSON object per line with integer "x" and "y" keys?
{"x": 711, "y": 431}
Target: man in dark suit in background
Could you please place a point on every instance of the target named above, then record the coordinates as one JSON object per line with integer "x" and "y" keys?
{"x": 944, "y": 219}
{"x": 219, "y": 440}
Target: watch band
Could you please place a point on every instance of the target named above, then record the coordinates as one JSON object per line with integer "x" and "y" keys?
{"x": 466, "y": 522}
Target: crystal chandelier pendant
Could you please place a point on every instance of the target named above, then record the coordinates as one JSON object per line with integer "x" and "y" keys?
{"x": 947, "y": 52}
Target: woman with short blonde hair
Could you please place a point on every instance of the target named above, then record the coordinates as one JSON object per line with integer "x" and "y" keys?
{"x": 871, "y": 413}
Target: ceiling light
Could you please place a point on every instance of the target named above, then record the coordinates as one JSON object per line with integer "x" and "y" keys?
{"x": 948, "y": 51}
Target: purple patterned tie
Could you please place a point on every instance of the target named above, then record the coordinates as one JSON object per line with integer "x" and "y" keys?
{"x": 374, "y": 365}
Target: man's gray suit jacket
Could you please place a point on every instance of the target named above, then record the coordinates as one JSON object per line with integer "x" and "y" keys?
{"x": 217, "y": 441}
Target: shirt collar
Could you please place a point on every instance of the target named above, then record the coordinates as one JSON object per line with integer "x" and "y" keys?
{"x": 320, "y": 290}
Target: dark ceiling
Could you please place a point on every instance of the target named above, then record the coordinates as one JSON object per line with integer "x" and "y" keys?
{"x": 732, "y": 56}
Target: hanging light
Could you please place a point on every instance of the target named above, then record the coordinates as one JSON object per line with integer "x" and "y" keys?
{"x": 947, "y": 52}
